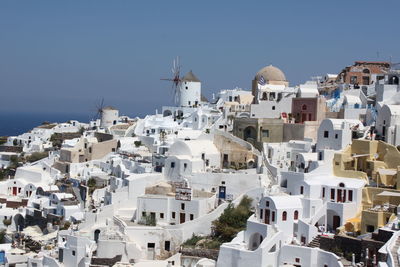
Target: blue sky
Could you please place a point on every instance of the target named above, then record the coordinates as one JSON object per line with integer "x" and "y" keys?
{"x": 64, "y": 56}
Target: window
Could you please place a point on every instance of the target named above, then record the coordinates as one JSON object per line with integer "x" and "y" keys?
{"x": 284, "y": 216}
{"x": 350, "y": 195}
{"x": 353, "y": 79}
{"x": 73, "y": 253}
{"x": 370, "y": 228}
{"x": 184, "y": 166}
{"x": 267, "y": 203}
{"x": 273, "y": 216}
{"x": 261, "y": 213}
{"x": 304, "y": 107}
{"x": 143, "y": 213}
{"x": 161, "y": 215}
{"x": 296, "y": 215}
{"x": 332, "y": 194}
{"x": 301, "y": 190}
{"x": 191, "y": 217}
{"x": 366, "y": 71}
{"x": 265, "y": 133}
{"x": 288, "y": 155}
{"x": 151, "y": 245}
{"x": 323, "y": 192}
{"x": 167, "y": 245}
{"x": 336, "y": 136}
{"x": 182, "y": 206}
{"x": 341, "y": 185}
{"x": 173, "y": 215}
{"x": 297, "y": 260}
{"x": 203, "y": 156}
{"x": 326, "y": 134}
{"x": 90, "y": 149}
{"x": 273, "y": 107}
{"x": 189, "y": 103}
{"x": 172, "y": 164}
{"x": 186, "y": 87}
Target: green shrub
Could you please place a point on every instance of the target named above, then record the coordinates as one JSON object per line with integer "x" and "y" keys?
{"x": 232, "y": 220}
{"x": 138, "y": 143}
{"x": 35, "y": 156}
{"x": 193, "y": 240}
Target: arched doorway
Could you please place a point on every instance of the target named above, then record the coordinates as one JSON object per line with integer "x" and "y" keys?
{"x": 394, "y": 80}
{"x": 167, "y": 113}
{"x": 96, "y": 235}
{"x": 255, "y": 241}
{"x": 250, "y": 134}
{"x": 19, "y": 222}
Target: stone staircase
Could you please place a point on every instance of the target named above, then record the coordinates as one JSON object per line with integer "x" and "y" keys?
{"x": 315, "y": 242}
{"x": 394, "y": 252}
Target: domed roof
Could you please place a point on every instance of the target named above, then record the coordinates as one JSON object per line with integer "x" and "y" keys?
{"x": 270, "y": 73}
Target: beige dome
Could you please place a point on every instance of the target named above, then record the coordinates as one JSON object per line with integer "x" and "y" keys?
{"x": 271, "y": 73}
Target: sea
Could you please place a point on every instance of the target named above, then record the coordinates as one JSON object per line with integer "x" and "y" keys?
{"x": 17, "y": 123}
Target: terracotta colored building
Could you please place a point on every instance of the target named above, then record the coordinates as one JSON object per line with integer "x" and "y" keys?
{"x": 308, "y": 109}
{"x": 363, "y": 72}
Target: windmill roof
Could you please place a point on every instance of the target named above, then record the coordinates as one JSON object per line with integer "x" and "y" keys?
{"x": 109, "y": 108}
{"x": 190, "y": 77}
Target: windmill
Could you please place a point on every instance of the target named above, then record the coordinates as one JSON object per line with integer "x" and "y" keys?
{"x": 99, "y": 110}
{"x": 176, "y": 79}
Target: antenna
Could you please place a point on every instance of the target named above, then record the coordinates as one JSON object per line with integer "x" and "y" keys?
{"x": 176, "y": 79}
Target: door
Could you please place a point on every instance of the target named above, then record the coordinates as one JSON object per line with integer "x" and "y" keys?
{"x": 336, "y": 222}
{"x": 339, "y": 196}
{"x": 14, "y": 191}
{"x": 266, "y": 219}
{"x": 182, "y": 218}
{"x": 303, "y": 117}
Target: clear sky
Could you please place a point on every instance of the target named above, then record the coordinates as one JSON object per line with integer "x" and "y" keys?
{"x": 64, "y": 56}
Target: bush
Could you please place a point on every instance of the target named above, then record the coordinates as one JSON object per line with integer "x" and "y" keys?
{"x": 7, "y": 222}
{"x": 35, "y": 156}
{"x": 2, "y": 235}
{"x": 192, "y": 241}
{"x": 66, "y": 226}
{"x": 138, "y": 143}
{"x": 148, "y": 220}
{"x": 91, "y": 182}
{"x": 232, "y": 220}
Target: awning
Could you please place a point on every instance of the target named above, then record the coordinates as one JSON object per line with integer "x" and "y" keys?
{"x": 389, "y": 194}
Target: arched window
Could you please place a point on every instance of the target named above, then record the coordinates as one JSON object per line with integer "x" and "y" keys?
{"x": 304, "y": 107}
{"x": 296, "y": 215}
{"x": 341, "y": 185}
{"x": 366, "y": 71}
{"x": 284, "y": 216}
{"x": 264, "y": 96}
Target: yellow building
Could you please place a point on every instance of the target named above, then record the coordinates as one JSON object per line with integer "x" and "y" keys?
{"x": 379, "y": 164}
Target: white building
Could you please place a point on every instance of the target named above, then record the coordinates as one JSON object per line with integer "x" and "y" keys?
{"x": 336, "y": 134}
{"x": 388, "y": 124}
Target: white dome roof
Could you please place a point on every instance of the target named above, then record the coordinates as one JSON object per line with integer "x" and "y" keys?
{"x": 271, "y": 73}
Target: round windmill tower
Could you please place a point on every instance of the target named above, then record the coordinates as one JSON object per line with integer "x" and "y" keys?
{"x": 190, "y": 90}
{"x": 187, "y": 90}
{"x": 108, "y": 115}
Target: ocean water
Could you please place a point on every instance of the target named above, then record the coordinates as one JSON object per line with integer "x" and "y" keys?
{"x": 18, "y": 123}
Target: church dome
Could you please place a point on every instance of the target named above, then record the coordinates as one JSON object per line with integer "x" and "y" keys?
{"x": 270, "y": 73}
